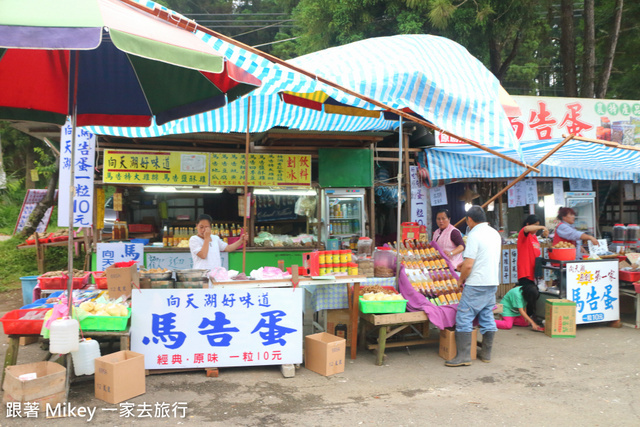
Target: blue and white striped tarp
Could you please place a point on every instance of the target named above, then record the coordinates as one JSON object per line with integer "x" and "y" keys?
{"x": 576, "y": 159}
{"x": 433, "y": 76}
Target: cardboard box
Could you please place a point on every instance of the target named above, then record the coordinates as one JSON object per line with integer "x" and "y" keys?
{"x": 448, "y": 344}
{"x": 339, "y": 324}
{"x": 560, "y": 318}
{"x": 324, "y": 353}
{"x": 120, "y": 280}
{"x": 50, "y": 381}
{"x": 119, "y": 376}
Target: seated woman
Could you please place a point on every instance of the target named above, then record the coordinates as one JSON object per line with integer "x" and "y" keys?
{"x": 516, "y": 303}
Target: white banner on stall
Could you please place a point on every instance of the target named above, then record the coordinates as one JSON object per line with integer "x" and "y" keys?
{"x": 418, "y": 197}
{"x": 558, "y": 191}
{"x": 514, "y": 265}
{"x": 506, "y": 272}
{"x": 110, "y": 253}
{"x": 577, "y": 184}
{"x": 202, "y": 328}
{"x": 593, "y": 286}
{"x": 83, "y": 180}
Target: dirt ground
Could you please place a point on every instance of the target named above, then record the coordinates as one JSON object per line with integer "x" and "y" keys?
{"x": 593, "y": 379}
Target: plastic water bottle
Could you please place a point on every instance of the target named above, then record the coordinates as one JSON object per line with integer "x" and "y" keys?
{"x": 64, "y": 336}
{"x": 83, "y": 359}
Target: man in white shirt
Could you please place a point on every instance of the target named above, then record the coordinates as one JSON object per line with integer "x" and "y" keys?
{"x": 205, "y": 248}
{"x": 480, "y": 271}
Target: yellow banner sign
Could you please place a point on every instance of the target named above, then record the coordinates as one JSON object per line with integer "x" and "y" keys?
{"x": 155, "y": 167}
{"x": 265, "y": 170}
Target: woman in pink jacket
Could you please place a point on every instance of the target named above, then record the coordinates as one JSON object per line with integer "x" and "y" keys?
{"x": 448, "y": 238}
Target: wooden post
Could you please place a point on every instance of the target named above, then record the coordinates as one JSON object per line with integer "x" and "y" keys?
{"x": 246, "y": 183}
{"x": 405, "y": 175}
{"x": 524, "y": 174}
{"x": 621, "y": 195}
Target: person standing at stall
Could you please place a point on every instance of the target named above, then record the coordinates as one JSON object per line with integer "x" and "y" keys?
{"x": 205, "y": 248}
{"x": 529, "y": 249}
{"x": 566, "y": 231}
{"x": 449, "y": 238}
{"x": 480, "y": 272}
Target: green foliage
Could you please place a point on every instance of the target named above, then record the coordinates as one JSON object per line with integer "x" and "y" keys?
{"x": 441, "y": 13}
{"x": 15, "y": 263}
{"x": 10, "y": 202}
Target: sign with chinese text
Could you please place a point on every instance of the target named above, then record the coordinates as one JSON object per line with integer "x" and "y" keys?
{"x": 265, "y": 170}
{"x": 155, "y": 167}
{"x": 177, "y": 260}
{"x": 530, "y": 191}
{"x": 517, "y": 195}
{"x": 577, "y": 184}
{"x": 31, "y": 200}
{"x": 438, "y": 196}
{"x": 593, "y": 286}
{"x": 84, "y": 159}
{"x": 201, "y": 328}
{"x": 419, "y": 205}
{"x": 558, "y": 191}
{"x": 552, "y": 117}
{"x": 110, "y": 253}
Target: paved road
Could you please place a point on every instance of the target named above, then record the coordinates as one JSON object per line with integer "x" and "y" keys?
{"x": 593, "y": 379}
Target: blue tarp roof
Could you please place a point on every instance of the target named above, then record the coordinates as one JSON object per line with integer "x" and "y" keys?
{"x": 576, "y": 159}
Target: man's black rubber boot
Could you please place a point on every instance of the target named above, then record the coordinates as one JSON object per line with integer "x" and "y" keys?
{"x": 487, "y": 343}
{"x": 463, "y": 347}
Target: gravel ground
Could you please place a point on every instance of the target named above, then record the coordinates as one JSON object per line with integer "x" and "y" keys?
{"x": 593, "y": 379}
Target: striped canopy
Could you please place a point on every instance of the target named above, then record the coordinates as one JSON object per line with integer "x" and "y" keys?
{"x": 432, "y": 76}
{"x": 576, "y": 159}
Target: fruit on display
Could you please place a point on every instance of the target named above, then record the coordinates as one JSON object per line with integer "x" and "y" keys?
{"x": 101, "y": 309}
{"x": 381, "y": 296}
{"x": 563, "y": 245}
{"x": 60, "y": 273}
{"x": 429, "y": 273}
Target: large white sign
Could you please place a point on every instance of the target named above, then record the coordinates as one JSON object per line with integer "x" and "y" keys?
{"x": 552, "y": 117}
{"x": 593, "y": 286}
{"x": 84, "y": 160}
{"x": 418, "y": 197}
{"x": 198, "y": 328}
{"x": 110, "y": 253}
{"x": 438, "y": 196}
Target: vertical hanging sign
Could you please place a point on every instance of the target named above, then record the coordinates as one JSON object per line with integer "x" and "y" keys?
{"x": 83, "y": 180}
{"x": 418, "y": 197}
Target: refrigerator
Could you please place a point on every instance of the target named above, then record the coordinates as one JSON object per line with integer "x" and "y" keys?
{"x": 343, "y": 213}
{"x": 584, "y": 203}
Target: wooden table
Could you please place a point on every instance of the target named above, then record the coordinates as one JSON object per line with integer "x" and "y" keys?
{"x": 391, "y": 324}
{"x": 633, "y": 294}
{"x": 40, "y": 248}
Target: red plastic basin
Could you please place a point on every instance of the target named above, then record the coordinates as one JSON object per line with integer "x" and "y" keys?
{"x": 13, "y": 325}
{"x": 563, "y": 254}
{"x": 629, "y": 276}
